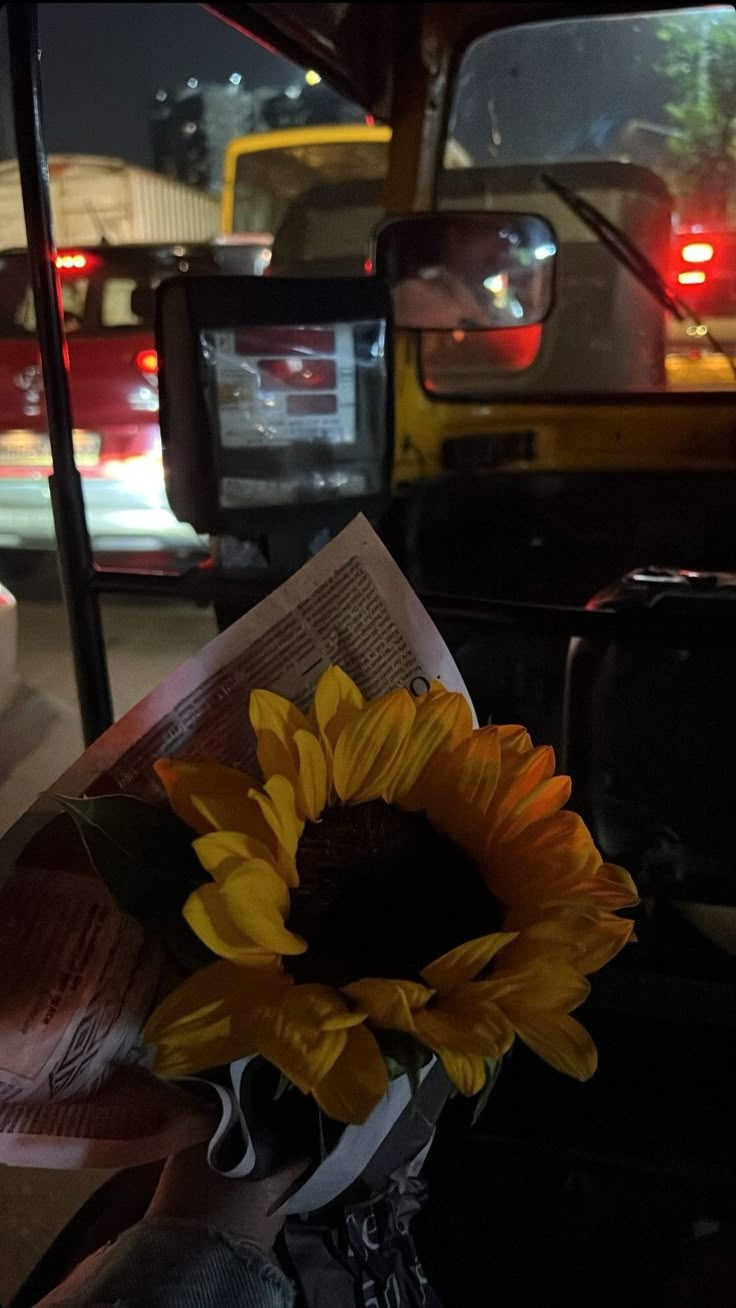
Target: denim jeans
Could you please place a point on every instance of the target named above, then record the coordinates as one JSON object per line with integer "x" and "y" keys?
{"x": 172, "y": 1264}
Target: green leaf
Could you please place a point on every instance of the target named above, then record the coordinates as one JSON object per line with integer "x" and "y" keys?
{"x": 493, "y": 1067}
{"x": 403, "y": 1054}
{"x": 143, "y": 854}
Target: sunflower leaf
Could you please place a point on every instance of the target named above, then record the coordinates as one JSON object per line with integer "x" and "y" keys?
{"x": 403, "y": 1055}
{"x": 493, "y": 1067}
{"x": 143, "y": 853}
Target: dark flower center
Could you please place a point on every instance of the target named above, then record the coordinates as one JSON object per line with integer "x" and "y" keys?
{"x": 382, "y": 893}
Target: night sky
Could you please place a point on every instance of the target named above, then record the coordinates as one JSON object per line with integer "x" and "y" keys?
{"x": 102, "y": 64}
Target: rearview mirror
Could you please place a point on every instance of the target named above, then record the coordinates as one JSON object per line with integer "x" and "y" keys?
{"x": 467, "y": 271}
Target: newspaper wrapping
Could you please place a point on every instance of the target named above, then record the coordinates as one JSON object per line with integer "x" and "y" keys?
{"x": 80, "y": 978}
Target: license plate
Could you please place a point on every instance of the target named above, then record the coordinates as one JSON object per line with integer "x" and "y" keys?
{"x": 32, "y": 449}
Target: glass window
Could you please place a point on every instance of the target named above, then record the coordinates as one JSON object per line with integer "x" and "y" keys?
{"x": 116, "y": 309}
{"x": 633, "y": 114}
{"x": 267, "y": 182}
{"x": 17, "y": 310}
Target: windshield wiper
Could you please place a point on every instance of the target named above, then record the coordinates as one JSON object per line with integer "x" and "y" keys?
{"x": 623, "y": 248}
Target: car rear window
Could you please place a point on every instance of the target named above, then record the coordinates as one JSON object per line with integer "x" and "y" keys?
{"x": 99, "y": 301}
{"x": 17, "y": 310}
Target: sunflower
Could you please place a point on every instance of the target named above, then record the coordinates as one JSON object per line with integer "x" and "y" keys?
{"x": 395, "y": 870}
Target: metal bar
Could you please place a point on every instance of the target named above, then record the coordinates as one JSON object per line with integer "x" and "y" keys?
{"x": 655, "y": 623}
{"x": 74, "y": 549}
{"x": 195, "y": 583}
{"x": 205, "y": 584}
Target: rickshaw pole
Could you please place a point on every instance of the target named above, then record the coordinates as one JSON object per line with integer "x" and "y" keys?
{"x": 73, "y": 544}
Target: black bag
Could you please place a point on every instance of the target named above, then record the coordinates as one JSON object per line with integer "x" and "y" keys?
{"x": 649, "y": 732}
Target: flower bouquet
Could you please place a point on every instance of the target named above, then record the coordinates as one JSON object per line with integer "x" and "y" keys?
{"x": 364, "y": 921}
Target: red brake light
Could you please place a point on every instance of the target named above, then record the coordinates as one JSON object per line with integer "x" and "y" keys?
{"x": 694, "y": 277}
{"x": 367, "y": 267}
{"x": 697, "y": 252}
{"x": 302, "y": 374}
{"x": 71, "y": 261}
{"x": 147, "y": 361}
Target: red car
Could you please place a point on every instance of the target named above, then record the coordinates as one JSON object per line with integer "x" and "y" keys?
{"x": 108, "y": 307}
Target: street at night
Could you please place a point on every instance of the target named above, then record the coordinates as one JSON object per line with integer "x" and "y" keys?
{"x": 404, "y": 338}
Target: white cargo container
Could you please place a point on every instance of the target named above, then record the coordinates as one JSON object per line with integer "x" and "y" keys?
{"x": 95, "y": 198}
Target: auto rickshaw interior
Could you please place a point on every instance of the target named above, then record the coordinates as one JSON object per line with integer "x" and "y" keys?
{"x": 545, "y": 439}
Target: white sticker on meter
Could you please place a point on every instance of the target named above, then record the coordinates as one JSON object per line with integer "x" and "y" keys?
{"x": 278, "y": 386}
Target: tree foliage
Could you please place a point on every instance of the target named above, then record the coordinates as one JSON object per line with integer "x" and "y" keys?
{"x": 699, "y": 59}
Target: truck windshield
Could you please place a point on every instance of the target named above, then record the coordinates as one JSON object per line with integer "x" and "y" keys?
{"x": 267, "y": 181}
{"x": 634, "y": 113}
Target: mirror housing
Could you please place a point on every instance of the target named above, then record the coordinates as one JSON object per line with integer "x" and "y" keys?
{"x": 276, "y": 400}
{"x": 143, "y": 303}
{"x": 462, "y": 271}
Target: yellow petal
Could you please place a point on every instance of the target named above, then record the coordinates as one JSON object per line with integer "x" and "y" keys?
{"x": 294, "y": 1037}
{"x": 357, "y": 1080}
{"x": 613, "y": 887}
{"x": 206, "y": 796}
{"x": 545, "y": 799}
{"x": 196, "y": 1000}
{"x": 602, "y": 941}
{"x": 211, "y": 1018}
{"x": 467, "y": 1072}
{"x": 443, "y": 718}
{"x": 276, "y": 721}
{"x": 557, "y": 938}
{"x": 336, "y": 702}
{"x": 209, "y": 919}
{"x": 576, "y": 932}
{"x": 274, "y": 758}
{"x": 559, "y": 987}
{"x": 257, "y": 902}
{"x": 478, "y": 762}
{"x": 456, "y": 794}
{"x": 465, "y": 962}
{"x": 562, "y": 1042}
{"x": 223, "y": 852}
{"x": 544, "y": 859}
{"x": 277, "y": 806}
{"x": 219, "y": 990}
{"x": 213, "y": 1048}
{"x": 271, "y": 712}
{"x": 469, "y": 1021}
{"x": 369, "y": 749}
{"x": 515, "y": 741}
{"x": 343, "y": 1019}
{"x": 389, "y": 1004}
{"x": 312, "y": 777}
{"x": 521, "y": 772}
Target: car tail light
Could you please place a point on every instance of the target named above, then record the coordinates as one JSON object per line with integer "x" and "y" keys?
{"x": 71, "y": 261}
{"x": 147, "y": 362}
{"x": 697, "y": 252}
{"x": 693, "y": 277}
{"x": 303, "y": 374}
{"x": 367, "y": 267}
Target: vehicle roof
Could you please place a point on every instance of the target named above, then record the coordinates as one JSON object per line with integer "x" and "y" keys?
{"x": 140, "y": 253}
{"x": 131, "y": 248}
{"x": 340, "y": 41}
